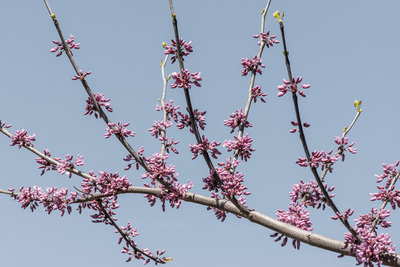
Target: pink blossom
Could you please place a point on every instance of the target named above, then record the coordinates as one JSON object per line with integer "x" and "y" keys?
{"x": 101, "y": 100}
{"x": 185, "y": 79}
{"x": 242, "y": 145}
{"x": 186, "y": 122}
{"x": 81, "y": 76}
{"x": 268, "y": 40}
{"x": 21, "y": 138}
{"x": 250, "y": 65}
{"x": 172, "y": 111}
{"x": 256, "y": 93}
{"x": 292, "y": 87}
{"x": 204, "y": 147}
{"x": 67, "y": 164}
{"x": 237, "y": 119}
{"x": 46, "y": 166}
{"x": 186, "y": 49}
{"x": 120, "y": 129}
{"x": 70, "y": 44}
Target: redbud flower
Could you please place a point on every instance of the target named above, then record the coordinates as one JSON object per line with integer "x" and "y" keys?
{"x": 292, "y": 86}
{"x": 21, "y": 138}
{"x": 205, "y": 146}
{"x": 172, "y": 111}
{"x": 46, "y": 166}
{"x": 186, "y": 49}
{"x": 82, "y": 76}
{"x": 120, "y": 129}
{"x": 256, "y": 93}
{"x": 268, "y": 40}
{"x": 236, "y": 119}
{"x": 186, "y": 79}
{"x": 67, "y": 164}
{"x": 70, "y": 44}
{"x": 242, "y": 144}
{"x": 252, "y": 64}
{"x": 101, "y": 100}
{"x": 198, "y": 118}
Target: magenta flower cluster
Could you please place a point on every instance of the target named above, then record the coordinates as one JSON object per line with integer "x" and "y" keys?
{"x": 268, "y": 40}
{"x": 236, "y": 119}
{"x": 21, "y": 138}
{"x": 70, "y": 44}
{"x": 372, "y": 245}
{"x": 67, "y": 164}
{"x": 257, "y": 94}
{"x": 388, "y": 191}
{"x": 320, "y": 158}
{"x": 186, "y": 49}
{"x": 172, "y": 111}
{"x": 250, "y": 65}
{"x": 52, "y": 199}
{"x": 118, "y": 129}
{"x": 81, "y": 76}
{"x": 344, "y": 145}
{"x": 199, "y": 118}
{"x": 101, "y": 100}
{"x": 185, "y": 79}
{"x": 297, "y": 216}
{"x": 232, "y": 184}
{"x": 242, "y": 145}
{"x": 292, "y": 87}
{"x": 301, "y": 193}
{"x": 204, "y": 147}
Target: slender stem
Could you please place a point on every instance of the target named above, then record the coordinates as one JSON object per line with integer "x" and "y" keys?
{"x": 128, "y": 241}
{"x": 193, "y": 123}
{"x": 304, "y": 142}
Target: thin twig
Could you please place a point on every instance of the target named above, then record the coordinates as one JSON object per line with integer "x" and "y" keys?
{"x": 304, "y": 142}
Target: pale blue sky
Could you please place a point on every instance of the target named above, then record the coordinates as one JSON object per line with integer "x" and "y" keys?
{"x": 346, "y": 50}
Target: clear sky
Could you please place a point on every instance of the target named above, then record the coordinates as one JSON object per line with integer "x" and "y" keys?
{"x": 346, "y": 50}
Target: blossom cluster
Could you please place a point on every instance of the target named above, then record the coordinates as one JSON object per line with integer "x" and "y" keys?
{"x": 232, "y": 184}
{"x": 185, "y": 79}
{"x": 67, "y": 164}
{"x": 81, "y": 75}
{"x": 250, "y": 65}
{"x": 204, "y": 147}
{"x": 309, "y": 194}
{"x": 323, "y": 159}
{"x": 297, "y": 216}
{"x": 344, "y": 145}
{"x": 101, "y": 101}
{"x": 120, "y": 129}
{"x": 21, "y": 138}
{"x": 70, "y": 44}
{"x": 171, "y": 110}
{"x": 186, "y": 49}
{"x": 171, "y": 190}
{"x": 372, "y": 245}
{"x": 292, "y": 86}
{"x": 236, "y": 119}
{"x": 52, "y": 199}
{"x": 242, "y": 145}
{"x": 267, "y": 39}
{"x": 185, "y": 121}
{"x": 388, "y": 191}
{"x": 257, "y": 94}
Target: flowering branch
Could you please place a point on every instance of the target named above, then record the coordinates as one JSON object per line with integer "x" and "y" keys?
{"x": 301, "y": 131}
